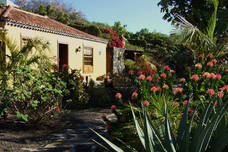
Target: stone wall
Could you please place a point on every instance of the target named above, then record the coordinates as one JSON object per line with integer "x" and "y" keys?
{"x": 118, "y": 60}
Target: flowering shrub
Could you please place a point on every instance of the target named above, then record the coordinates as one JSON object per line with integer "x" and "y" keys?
{"x": 114, "y": 40}
{"x": 33, "y": 96}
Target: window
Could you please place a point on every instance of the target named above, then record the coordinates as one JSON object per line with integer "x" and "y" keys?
{"x": 88, "y": 60}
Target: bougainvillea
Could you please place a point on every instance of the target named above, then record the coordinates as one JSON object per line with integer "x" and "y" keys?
{"x": 113, "y": 37}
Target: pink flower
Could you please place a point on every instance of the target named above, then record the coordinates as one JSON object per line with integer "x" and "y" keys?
{"x": 57, "y": 109}
{"x": 218, "y": 76}
{"x": 176, "y": 104}
{"x": 210, "y": 64}
{"x": 149, "y": 78}
{"x": 165, "y": 86}
{"x": 198, "y": 65}
{"x": 178, "y": 90}
{"x": 226, "y": 70}
{"x": 118, "y": 95}
{"x": 214, "y": 61}
{"x": 172, "y": 71}
{"x": 185, "y": 102}
{"x": 220, "y": 94}
{"x": 153, "y": 89}
{"x": 146, "y": 103}
{"x": 130, "y": 72}
{"x": 134, "y": 94}
{"x": 163, "y": 75}
{"x": 141, "y": 77}
{"x": 166, "y": 67}
{"x": 206, "y": 75}
{"x": 201, "y": 56}
{"x": 211, "y": 92}
{"x": 195, "y": 77}
{"x": 139, "y": 72}
{"x": 113, "y": 107}
{"x": 210, "y": 55}
{"x": 216, "y": 103}
{"x": 182, "y": 80}
{"x": 212, "y": 76}
{"x": 225, "y": 88}
{"x": 187, "y": 68}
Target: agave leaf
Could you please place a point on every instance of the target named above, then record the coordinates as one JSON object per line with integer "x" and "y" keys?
{"x": 169, "y": 134}
{"x": 113, "y": 146}
{"x": 149, "y": 142}
{"x": 183, "y": 130}
{"x": 129, "y": 148}
{"x": 155, "y": 133}
{"x": 212, "y": 126}
{"x": 138, "y": 128}
{"x": 102, "y": 146}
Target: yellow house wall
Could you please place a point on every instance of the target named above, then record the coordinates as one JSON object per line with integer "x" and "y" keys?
{"x": 75, "y": 60}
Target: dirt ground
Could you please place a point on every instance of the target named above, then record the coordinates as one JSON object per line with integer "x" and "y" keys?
{"x": 16, "y": 135}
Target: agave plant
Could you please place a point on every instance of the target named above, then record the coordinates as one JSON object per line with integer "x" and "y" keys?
{"x": 201, "y": 139}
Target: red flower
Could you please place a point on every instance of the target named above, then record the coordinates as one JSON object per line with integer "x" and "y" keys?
{"x": 18, "y": 94}
{"x": 226, "y": 70}
{"x": 166, "y": 67}
{"x": 210, "y": 64}
{"x": 141, "y": 77}
{"x": 210, "y": 55}
{"x": 153, "y": 89}
{"x": 165, "y": 86}
{"x": 206, "y": 75}
{"x": 216, "y": 103}
{"x": 214, "y": 61}
{"x": 139, "y": 72}
{"x": 185, "y": 102}
{"x": 113, "y": 107}
{"x": 195, "y": 77}
{"x": 149, "y": 78}
{"x": 201, "y": 56}
{"x": 212, "y": 76}
{"x": 118, "y": 95}
{"x": 57, "y": 109}
{"x": 178, "y": 90}
{"x": 218, "y": 76}
{"x": 225, "y": 88}
{"x": 211, "y": 92}
{"x": 172, "y": 71}
{"x": 134, "y": 94}
{"x": 182, "y": 80}
{"x": 220, "y": 94}
{"x": 198, "y": 65}
{"x": 163, "y": 75}
{"x": 176, "y": 104}
{"x": 130, "y": 72}
{"x": 146, "y": 103}
{"x": 187, "y": 68}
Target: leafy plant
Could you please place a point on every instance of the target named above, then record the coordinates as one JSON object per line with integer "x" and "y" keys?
{"x": 163, "y": 139}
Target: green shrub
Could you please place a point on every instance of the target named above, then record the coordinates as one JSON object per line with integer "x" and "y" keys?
{"x": 75, "y": 95}
{"x": 32, "y": 96}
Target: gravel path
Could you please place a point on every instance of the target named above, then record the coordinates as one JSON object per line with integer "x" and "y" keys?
{"x": 76, "y": 137}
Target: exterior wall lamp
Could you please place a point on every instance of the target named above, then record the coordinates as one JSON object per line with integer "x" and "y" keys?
{"x": 78, "y": 49}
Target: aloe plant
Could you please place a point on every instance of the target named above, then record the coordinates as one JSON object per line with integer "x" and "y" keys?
{"x": 154, "y": 140}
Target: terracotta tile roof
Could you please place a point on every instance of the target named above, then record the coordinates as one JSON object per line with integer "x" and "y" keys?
{"x": 15, "y": 16}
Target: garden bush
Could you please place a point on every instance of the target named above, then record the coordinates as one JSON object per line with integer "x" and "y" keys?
{"x": 75, "y": 95}
{"x": 33, "y": 96}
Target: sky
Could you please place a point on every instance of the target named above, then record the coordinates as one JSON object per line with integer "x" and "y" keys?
{"x": 136, "y": 14}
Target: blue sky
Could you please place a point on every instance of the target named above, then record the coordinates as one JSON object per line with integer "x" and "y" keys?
{"x": 136, "y": 14}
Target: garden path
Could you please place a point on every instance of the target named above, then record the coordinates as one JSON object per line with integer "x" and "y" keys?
{"x": 76, "y": 137}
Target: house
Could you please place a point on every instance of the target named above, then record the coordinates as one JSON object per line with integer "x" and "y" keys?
{"x": 74, "y": 48}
